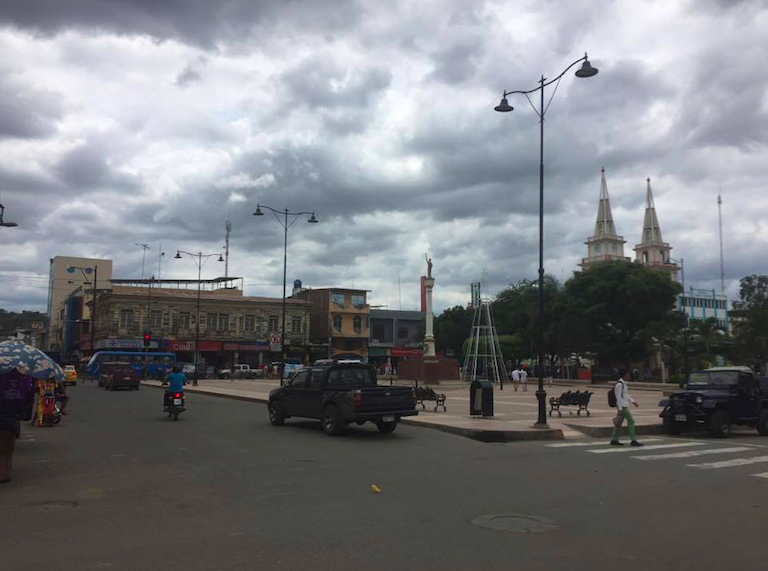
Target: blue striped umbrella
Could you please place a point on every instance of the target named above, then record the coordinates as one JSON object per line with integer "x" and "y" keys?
{"x": 28, "y": 360}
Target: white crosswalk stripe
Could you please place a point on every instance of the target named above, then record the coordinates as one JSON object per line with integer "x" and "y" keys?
{"x": 763, "y": 475}
{"x": 614, "y": 449}
{"x": 693, "y": 453}
{"x": 730, "y": 463}
{"x": 569, "y": 444}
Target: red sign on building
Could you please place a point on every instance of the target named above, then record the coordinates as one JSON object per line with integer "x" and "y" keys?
{"x": 189, "y": 346}
{"x": 405, "y": 352}
{"x": 246, "y": 347}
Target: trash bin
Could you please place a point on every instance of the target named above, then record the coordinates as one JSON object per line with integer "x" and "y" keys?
{"x": 481, "y": 398}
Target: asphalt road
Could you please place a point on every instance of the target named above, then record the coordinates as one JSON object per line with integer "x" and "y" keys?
{"x": 119, "y": 486}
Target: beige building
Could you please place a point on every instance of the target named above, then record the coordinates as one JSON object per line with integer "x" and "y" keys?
{"x": 606, "y": 244}
{"x": 65, "y": 276}
{"x": 234, "y": 328}
{"x": 340, "y": 318}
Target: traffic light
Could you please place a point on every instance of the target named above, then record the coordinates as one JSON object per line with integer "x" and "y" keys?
{"x": 147, "y": 338}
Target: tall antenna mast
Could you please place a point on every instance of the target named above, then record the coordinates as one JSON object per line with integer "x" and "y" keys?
{"x": 720, "y": 220}
{"x": 226, "y": 246}
{"x": 160, "y": 256}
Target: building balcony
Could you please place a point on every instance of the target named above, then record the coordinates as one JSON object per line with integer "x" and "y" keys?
{"x": 603, "y": 258}
{"x": 349, "y": 308}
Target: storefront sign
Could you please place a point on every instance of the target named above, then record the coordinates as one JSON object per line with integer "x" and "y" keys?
{"x": 406, "y": 352}
{"x": 189, "y": 346}
{"x": 124, "y": 344}
{"x": 246, "y": 346}
{"x": 378, "y": 351}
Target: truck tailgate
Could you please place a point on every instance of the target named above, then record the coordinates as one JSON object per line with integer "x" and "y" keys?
{"x": 384, "y": 399}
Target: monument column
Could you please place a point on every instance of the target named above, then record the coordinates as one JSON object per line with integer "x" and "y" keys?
{"x": 429, "y": 338}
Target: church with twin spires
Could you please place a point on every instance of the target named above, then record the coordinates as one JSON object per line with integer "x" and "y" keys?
{"x": 607, "y": 245}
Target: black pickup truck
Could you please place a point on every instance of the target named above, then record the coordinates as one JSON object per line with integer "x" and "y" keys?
{"x": 717, "y": 399}
{"x": 340, "y": 394}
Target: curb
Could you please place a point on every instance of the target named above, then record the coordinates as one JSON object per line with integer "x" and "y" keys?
{"x": 471, "y": 433}
{"x": 606, "y": 431}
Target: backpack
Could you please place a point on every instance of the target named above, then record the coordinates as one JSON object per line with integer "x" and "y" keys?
{"x": 612, "y": 396}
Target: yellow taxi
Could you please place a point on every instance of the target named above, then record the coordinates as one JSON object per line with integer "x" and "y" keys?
{"x": 70, "y": 375}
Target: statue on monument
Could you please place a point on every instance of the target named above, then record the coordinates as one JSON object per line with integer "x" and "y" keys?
{"x": 429, "y": 265}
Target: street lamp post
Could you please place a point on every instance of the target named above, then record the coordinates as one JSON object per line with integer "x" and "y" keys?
{"x": 3, "y": 223}
{"x": 198, "y": 259}
{"x": 285, "y": 224}
{"x": 685, "y": 311}
{"x": 504, "y": 107}
{"x": 85, "y": 272}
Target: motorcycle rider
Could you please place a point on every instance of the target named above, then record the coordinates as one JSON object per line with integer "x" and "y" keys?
{"x": 176, "y": 381}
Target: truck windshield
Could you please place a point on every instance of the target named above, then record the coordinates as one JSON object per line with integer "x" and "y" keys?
{"x": 352, "y": 377}
{"x": 714, "y": 379}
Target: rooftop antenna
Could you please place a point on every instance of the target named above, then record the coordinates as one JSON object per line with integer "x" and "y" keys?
{"x": 399, "y": 292}
{"x": 720, "y": 221}
{"x": 226, "y": 249}
{"x": 143, "y": 255}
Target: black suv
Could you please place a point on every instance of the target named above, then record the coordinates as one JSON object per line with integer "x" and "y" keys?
{"x": 717, "y": 399}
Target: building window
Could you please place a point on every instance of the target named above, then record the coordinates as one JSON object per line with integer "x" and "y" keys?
{"x": 337, "y": 322}
{"x": 358, "y": 301}
{"x": 402, "y": 333}
{"x": 378, "y": 331}
{"x": 273, "y": 323}
{"x": 126, "y": 318}
{"x": 250, "y": 323}
{"x": 296, "y": 325}
{"x": 156, "y": 320}
{"x": 357, "y": 324}
{"x": 223, "y": 322}
{"x": 338, "y": 299}
{"x": 185, "y": 320}
{"x": 211, "y": 322}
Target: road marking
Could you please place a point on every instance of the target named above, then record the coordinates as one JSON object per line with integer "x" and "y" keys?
{"x": 763, "y": 475}
{"x": 629, "y": 448}
{"x": 566, "y": 444}
{"x": 692, "y": 453}
{"x": 730, "y": 463}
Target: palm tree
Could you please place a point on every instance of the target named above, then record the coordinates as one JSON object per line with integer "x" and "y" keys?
{"x": 709, "y": 333}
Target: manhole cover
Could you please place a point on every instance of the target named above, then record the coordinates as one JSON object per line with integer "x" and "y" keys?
{"x": 53, "y": 505}
{"x": 515, "y": 523}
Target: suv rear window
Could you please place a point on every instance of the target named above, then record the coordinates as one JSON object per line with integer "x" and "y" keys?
{"x": 351, "y": 376}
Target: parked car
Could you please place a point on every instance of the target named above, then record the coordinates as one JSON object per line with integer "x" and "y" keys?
{"x": 70, "y": 375}
{"x": 291, "y": 366}
{"x": 717, "y": 399}
{"x": 241, "y": 371}
{"x": 118, "y": 375}
{"x": 340, "y": 394}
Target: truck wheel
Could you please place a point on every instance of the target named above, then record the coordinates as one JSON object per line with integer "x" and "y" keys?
{"x": 386, "y": 427}
{"x": 762, "y": 422}
{"x": 332, "y": 423}
{"x": 276, "y": 416}
{"x": 720, "y": 424}
{"x": 672, "y": 427}
{"x": 225, "y": 376}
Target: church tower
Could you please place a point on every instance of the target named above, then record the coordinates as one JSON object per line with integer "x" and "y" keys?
{"x": 605, "y": 244}
{"x": 652, "y": 250}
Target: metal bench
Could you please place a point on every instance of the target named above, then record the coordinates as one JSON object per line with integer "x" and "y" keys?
{"x": 427, "y": 394}
{"x": 570, "y": 398}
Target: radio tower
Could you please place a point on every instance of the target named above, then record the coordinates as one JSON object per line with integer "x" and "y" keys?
{"x": 720, "y": 220}
{"x": 228, "y": 226}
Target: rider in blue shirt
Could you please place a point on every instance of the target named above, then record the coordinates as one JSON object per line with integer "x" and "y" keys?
{"x": 176, "y": 381}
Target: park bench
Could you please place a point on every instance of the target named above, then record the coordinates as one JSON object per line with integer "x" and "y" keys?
{"x": 427, "y": 394}
{"x": 570, "y": 398}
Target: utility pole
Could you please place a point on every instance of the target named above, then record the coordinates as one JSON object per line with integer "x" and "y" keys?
{"x": 147, "y": 328}
{"x": 228, "y": 226}
{"x": 93, "y": 309}
{"x": 143, "y": 255}
{"x": 160, "y": 256}
{"x": 720, "y": 220}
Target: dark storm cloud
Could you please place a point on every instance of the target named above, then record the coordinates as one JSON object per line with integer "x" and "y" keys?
{"x": 200, "y": 22}
{"x": 190, "y": 74}
{"x": 88, "y": 167}
{"x": 27, "y": 112}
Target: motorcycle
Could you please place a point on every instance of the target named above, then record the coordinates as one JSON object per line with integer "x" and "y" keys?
{"x": 174, "y": 404}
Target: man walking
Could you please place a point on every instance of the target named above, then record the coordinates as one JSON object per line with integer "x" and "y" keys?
{"x": 524, "y": 379}
{"x": 623, "y": 400}
{"x": 516, "y": 377}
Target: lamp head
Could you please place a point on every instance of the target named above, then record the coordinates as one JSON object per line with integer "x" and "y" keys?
{"x": 586, "y": 69}
{"x": 178, "y": 255}
{"x": 312, "y": 219}
{"x": 258, "y": 211}
{"x": 221, "y": 259}
{"x": 504, "y": 106}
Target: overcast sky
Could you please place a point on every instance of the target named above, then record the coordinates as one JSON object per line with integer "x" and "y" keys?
{"x": 145, "y": 121}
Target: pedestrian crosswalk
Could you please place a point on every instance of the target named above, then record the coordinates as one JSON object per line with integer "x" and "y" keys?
{"x": 669, "y": 449}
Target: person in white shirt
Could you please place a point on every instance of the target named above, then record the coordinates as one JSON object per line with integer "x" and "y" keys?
{"x": 524, "y": 379}
{"x": 516, "y": 376}
{"x": 623, "y": 400}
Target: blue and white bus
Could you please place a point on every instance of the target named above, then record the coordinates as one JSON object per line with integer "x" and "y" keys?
{"x": 158, "y": 364}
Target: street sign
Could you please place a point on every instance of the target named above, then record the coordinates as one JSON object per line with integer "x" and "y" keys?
{"x": 274, "y": 339}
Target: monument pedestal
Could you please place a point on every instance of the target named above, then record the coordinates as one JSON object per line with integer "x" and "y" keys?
{"x": 429, "y": 370}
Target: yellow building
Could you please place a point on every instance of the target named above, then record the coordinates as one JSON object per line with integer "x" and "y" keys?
{"x": 339, "y": 318}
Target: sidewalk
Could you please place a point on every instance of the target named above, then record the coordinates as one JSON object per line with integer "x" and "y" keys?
{"x": 514, "y": 412}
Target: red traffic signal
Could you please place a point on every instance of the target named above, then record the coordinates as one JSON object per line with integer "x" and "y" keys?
{"x": 147, "y": 338}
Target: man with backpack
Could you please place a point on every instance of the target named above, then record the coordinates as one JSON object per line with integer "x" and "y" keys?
{"x": 620, "y": 398}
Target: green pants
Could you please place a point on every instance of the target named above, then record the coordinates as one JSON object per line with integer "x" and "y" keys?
{"x": 626, "y": 414}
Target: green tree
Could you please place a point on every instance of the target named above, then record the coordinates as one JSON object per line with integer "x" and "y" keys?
{"x": 707, "y": 334}
{"x": 452, "y": 328}
{"x": 750, "y": 315}
{"x": 615, "y": 309}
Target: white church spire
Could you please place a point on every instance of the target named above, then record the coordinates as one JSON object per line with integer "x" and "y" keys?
{"x": 605, "y": 245}
{"x": 651, "y": 229}
{"x": 652, "y": 250}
